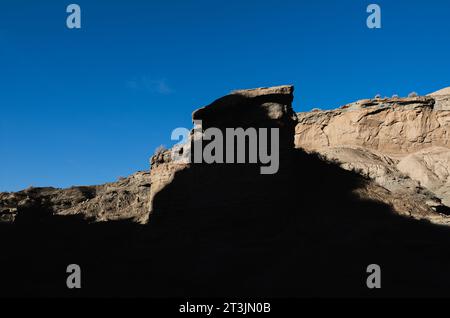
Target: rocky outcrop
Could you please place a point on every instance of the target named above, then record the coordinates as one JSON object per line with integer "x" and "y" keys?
{"x": 226, "y": 230}
{"x": 393, "y": 127}
{"x": 431, "y": 168}
{"x": 272, "y": 107}
{"x": 373, "y": 137}
{"x": 132, "y": 197}
{"x": 261, "y": 107}
{"x": 124, "y": 199}
{"x": 442, "y": 99}
{"x": 162, "y": 172}
{"x": 402, "y": 144}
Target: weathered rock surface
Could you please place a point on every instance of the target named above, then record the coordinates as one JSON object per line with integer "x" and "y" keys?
{"x": 162, "y": 173}
{"x": 261, "y": 107}
{"x": 124, "y": 199}
{"x": 219, "y": 230}
{"x": 431, "y": 168}
{"x": 442, "y": 99}
{"x": 392, "y": 127}
{"x": 400, "y": 143}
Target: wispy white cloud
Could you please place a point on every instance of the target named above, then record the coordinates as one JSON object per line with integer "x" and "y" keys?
{"x": 156, "y": 86}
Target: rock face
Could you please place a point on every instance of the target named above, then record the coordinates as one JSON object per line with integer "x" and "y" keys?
{"x": 442, "y": 99}
{"x": 271, "y": 107}
{"x": 162, "y": 173}
{"x": 124, "y": 199}
{"x": 393, "y": 127}
{"x": 260, "y": 107}
{"x": 401, "y": 143}
{"x": 226, "y": 230}
{"x": 132, "y": 197}
{"x": 431, "y": 168}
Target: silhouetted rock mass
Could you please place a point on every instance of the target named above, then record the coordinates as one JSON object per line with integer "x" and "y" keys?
{"x": 196, "y": 229}
{"x": 261, "y": 107}
{"x": 255, "y": 108}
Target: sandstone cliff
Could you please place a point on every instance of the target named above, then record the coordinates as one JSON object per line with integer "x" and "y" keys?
{"x": 401, "y": 143}
{"x": 226, "y": 230}
{"x": 442, "y": 99}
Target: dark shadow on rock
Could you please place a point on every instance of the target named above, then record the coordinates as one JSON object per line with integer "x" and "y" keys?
{"x": 226, "y": 230}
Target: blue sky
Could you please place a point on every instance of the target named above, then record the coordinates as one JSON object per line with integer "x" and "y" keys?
{"x": 86, "y": 106}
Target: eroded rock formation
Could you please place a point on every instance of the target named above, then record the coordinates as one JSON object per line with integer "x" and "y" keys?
{"x": 124, "y": 199}
{"x": 442, "y": 99}
{"x": 401, "y": 143}
{"x": 228, "y": 230}
{"x": 261, "y": 107}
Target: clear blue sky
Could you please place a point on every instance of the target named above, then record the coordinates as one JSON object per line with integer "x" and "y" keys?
{"x": 86, "y": 106}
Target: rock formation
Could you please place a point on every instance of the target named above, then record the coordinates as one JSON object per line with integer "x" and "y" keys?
{"x": 261, "y": 107}
{"x": 442, "y": 99}
{"x": 124, "y": 199}
{"x": 401, "y": 143}
{"x": 194, "y": 229}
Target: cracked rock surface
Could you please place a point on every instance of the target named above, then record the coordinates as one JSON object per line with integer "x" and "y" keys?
{"x": 402, "y": 144}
